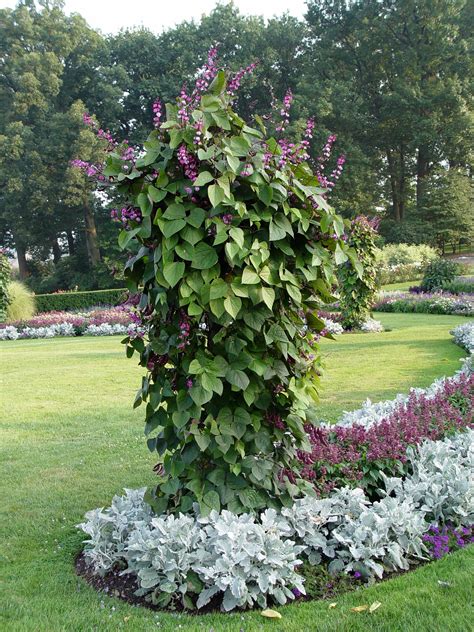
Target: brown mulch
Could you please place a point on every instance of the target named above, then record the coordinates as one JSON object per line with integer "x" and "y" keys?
{"x": 112, "y": 583}
{"x": 123, "y": 587}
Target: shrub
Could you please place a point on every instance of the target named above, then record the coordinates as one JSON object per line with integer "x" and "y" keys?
{"x": 5, "y": 275}
{"x": 21, "y": 304}
{"x": 235, "y": 247}
{"x": 78, "y": 300}
{"x": 405, "y": 254}
{"x": 403, "y": 262}
{"x": 459, "y": 286}
{"x": 438, "y": 273}
{"x": 358, "y": 283}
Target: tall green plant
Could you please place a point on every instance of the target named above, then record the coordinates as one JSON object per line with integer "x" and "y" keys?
{"x": 233, "y": 247}
{"x": 358, "y": 284}
{"x": 5, "y": 274}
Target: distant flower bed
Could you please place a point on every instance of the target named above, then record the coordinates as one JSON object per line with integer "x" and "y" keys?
{"x": 333, "y": 325}
{"x": 110, "y": 321}
{"x": 426, "y": 303}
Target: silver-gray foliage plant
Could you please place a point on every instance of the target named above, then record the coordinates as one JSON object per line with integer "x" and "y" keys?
{"x": 248, "y": 558}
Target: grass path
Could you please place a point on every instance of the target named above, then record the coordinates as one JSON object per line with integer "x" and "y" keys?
{"x": 69, "y": 441}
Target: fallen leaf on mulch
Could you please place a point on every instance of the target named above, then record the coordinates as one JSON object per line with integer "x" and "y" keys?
{"x": 271, "y": 614}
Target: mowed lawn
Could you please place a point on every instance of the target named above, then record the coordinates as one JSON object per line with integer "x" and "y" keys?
{"x": 70, "y": 440}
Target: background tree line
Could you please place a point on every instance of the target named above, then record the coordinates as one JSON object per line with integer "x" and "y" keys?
{"x": 392, "y": 78}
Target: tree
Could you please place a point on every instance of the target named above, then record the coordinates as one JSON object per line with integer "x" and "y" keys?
{"x": 447, "y": 208}
{"x": 49, "y": 61}
{"x": 398, "y": 73}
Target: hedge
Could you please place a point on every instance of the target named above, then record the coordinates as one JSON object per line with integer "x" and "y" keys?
{"x": 64, "y": 301}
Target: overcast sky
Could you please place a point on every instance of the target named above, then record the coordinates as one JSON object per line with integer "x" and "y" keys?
{"x": 111, "y": 15}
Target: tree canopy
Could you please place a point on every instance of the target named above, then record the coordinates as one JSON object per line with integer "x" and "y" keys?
{"x": 391, "y": 79}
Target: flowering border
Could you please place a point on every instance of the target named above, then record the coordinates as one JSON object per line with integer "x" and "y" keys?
{"x": 247, "y": 559}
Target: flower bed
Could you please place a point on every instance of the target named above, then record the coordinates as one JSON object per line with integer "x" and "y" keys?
{"x": 464, "y": 336}
{"x": 361, "y": 454}
{"x": 426, "y": 303}
{"x": 110, "y": 321}
{"x": 333, "y": 324}
{"x": 247, "y": 560}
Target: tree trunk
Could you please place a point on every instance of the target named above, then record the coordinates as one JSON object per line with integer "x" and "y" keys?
{"x": 402, "y": 193}
{"x": 56, "y": 250}
{"x": 91, "y": 236}
{"x": 22, "y": 262}
{"x": 393, "y": 186}
{"x": 422, "y": 171}
{"x": 70, "y": 243}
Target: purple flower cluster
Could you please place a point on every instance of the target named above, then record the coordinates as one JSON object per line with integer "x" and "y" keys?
{"x": 234, "y": 82}
{"x": 441, "y": 541}
{"x": 184, "y": 331}
{"x": 91, "y": 170}
{"x": 247, "y": 170}
{"x": 345, "y": 454}
{"x": 157, "y": 113}
{"x": 227, "y": 219}
{"x": 128, "y": 153}
{"x": 308, "y": 135}
{"x": 336, "y": 173}
{"x": 208, "y": 72}
{"x": 285, "y": 111}
{"x": 325, "y": 181}
{"x": 106, "y": 135}
{"x": 198, "y": 125}
{"x": 275, "y": 419}
{"x": 126, "y": 216}
{"x": 189, "y": 162}
{"x": 184, "y": 103}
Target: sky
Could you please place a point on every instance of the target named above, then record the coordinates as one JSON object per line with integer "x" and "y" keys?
{"x": 111, "y": 15}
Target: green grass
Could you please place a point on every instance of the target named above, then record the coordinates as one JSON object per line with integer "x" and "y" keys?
{"x": 70, "y": 441}
{"x": 402, "y": 285}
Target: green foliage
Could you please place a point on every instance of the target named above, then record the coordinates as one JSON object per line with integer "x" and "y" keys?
{"x": 446, "y": 208}
{"x": 22, "y": 302}
{"x": 64, "y": 301}
{"x": 438, "y": 273}
{"x": 400, "y": 115}
{"x": 403, "y": 262}
{"x": 72, "y": 273}
{"x": 232, "y": 272}
{"x": 358, "y": 283}
{"x": 5, "y": 275}
{"x": 460, "y": 285}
